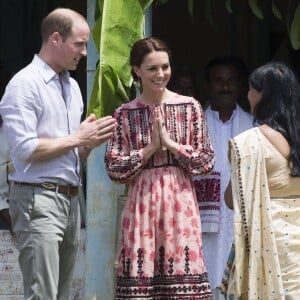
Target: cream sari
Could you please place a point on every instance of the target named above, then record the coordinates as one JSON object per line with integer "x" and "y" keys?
{"x": 265, "y": 250}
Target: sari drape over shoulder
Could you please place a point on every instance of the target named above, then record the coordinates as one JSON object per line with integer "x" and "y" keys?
{"x": 256, "y": 272}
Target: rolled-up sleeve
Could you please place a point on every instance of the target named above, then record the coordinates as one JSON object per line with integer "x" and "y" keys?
{"x": 19, "y": 111}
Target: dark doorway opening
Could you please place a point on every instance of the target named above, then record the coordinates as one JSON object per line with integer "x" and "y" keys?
{"x": 20, "y": 33}
{"x": 212, "y": 31}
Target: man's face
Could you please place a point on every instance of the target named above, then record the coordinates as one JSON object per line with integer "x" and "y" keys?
{"x": 225, "y": 87}
{"x": 184, "y": 85}
{"x": 73, "y": 48}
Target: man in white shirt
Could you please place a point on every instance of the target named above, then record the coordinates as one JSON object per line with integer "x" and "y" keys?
{"x": 225, "y": 119}
{"x": 41, "y": 108}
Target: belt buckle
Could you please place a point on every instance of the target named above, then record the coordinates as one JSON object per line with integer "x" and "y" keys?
{"x": 68, "y": 191}
{"x": 49, "y": 186}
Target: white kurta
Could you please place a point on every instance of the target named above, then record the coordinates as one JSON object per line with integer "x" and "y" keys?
{"x": 217, "y": 244}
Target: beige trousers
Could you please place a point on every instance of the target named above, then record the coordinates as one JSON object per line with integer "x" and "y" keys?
{"x": 47, "y": 227}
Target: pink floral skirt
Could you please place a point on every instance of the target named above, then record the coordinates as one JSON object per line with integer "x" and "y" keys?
{"x": 160, "y": 250}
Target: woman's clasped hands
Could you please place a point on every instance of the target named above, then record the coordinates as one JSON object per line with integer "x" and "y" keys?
{"x": 160, "y": 139}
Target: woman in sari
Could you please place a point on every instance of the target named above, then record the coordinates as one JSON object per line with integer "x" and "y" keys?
{"x": 265, "y": 191}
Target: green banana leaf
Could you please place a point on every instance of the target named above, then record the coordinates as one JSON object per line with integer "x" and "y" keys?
{"x": 191, "y": 8}
{"x": 118, "y": 25}
{"x": 208, "y": 14}
{"x": 256, "y": 9}
{"x": 276, "y": 11}
{"x": 294, "y": 32}
{"x": 228, "y": 6}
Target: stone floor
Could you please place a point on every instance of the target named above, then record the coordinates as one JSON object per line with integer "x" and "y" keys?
{"x": 11, "y": 278}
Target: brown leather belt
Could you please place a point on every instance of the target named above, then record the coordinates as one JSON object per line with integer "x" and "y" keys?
{"x": 68, "y": 190}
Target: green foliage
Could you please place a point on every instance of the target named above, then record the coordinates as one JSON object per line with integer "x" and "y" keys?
{"x": 276, "y": 11}
{"x": 208, "y": 13}
{"x": 256, "y": 8}
{"x": 191, "y": 7}
{"x": 118, "y": 25}
{"x": 294, "y": 32}
{"x": 228, "y": 6}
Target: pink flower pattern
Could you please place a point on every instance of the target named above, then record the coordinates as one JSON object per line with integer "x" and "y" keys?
{"x": 161, "y": 229}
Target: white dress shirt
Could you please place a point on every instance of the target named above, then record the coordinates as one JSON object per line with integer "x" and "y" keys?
{"x": 39, "y": 104}
{"x": 217, "y": 245}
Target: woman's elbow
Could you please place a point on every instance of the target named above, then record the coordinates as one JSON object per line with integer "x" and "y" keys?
{"x": 228, "y": 196}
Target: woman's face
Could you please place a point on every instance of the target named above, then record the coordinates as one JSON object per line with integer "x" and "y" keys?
{"x": 254, "y": 97}
{"x": 155, "y": 71}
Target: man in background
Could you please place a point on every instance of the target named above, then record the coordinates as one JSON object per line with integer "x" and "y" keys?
{"x": 225, "y": 119}
{"x": 184, "y": 81}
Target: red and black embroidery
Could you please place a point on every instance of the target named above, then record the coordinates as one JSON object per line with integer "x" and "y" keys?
{"x": 165, "y": 285}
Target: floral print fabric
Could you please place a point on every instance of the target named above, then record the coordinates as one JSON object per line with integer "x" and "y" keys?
{"x": 160, "y": 255}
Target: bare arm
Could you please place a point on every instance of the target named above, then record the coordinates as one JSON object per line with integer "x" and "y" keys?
{"x": 276, "y": 139}
{"x": 228, "y": 192}
{"x": 91, "y": 133}
{"x": 279, "y": 143}
{"x": 228, "y": 196}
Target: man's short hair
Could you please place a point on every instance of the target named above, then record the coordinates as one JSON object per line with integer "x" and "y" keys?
{"x": 229, "y": 60}
{"x": 59, "y": 20}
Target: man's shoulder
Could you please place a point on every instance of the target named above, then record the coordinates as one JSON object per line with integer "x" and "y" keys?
{"x": 242, "y": 111}
{"x": 246, "y": 116}
{"x": 27, "y": 74}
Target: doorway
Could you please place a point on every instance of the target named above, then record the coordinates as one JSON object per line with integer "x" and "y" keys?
{"x": 212, "y": 31}
{"x": 20, "y": 38}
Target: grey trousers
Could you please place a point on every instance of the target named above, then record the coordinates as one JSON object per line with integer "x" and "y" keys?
{"x": 47, "y": 227}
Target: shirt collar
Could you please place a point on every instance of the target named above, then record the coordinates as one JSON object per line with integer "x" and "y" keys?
{"x": 46, "y": 71}
{"x": 215, "y": 114}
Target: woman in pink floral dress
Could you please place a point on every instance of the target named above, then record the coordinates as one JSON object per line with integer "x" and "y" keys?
{"x": 160, "y": 142}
